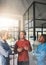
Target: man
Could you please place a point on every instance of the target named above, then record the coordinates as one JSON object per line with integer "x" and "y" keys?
{"x": 5, "y": 50}
{"x": 22, "y": 47}
{"x": 40, "y": 51}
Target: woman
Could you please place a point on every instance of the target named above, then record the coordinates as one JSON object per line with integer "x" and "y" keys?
{"x": 40, "y": 52}
{"x": 5, "y": 50}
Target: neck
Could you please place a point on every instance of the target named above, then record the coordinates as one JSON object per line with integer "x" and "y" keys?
{"x": 22, "y": 39}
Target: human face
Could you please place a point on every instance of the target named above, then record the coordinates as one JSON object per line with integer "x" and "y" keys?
{"x": 5, "y": 36}
{"x": 41, "y": 39}
{"x": 22, "y": 36}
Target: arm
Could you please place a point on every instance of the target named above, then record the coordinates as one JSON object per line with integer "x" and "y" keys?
{"x": 16, "y": 49}
{"x": 39, "y": 53}
{"x": 40, "y": 56}
{"x": 19, "y": 49}
{"x": 36, "y": 53}
{"x": 3, "y": 52}
{"x": 28, "y": 47}
{"x": 9, "y": 51}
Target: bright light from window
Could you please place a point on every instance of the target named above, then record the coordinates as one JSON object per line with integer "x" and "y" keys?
{"x": 5, "y": 23}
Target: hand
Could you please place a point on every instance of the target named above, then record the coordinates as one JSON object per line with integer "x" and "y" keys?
{"x": 19, "y": 49}
{"x": 26, "y": 48}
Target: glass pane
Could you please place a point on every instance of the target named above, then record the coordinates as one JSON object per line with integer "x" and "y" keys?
{"x": 31, "y": 37}
{"x": 26, "y": 34}
{"x": 44, "y": 30}
{"x": 31, "y": 13}
{"x": 11, "y": 26}
{"x": 37, "y": 30}
{"x": 39, "y": 23}
{"x": 31, "y": 34}
{"x": 31, "y": 24}
{"x": 26, "y": 18}
{"x": 40, "y": 11}
{"x": 26, "y": 24}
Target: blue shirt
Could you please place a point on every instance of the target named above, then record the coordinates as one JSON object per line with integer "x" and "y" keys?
{"x": 40, "y": 54}
{"x": 5, "y": 51}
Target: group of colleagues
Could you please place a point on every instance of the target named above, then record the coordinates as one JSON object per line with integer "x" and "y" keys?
{"x": 22, "y": 47}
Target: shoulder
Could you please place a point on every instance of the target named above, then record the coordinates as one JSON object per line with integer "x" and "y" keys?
{"x": 27, "y": 41}
{"x": 39, "y": 46}
{"x": 17, "y": 41}
{"x": 45, "y": 45}
{"x": 1, "y": 42}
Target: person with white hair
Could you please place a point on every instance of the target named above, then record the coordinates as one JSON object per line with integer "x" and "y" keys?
{"x": 5, "y": 50}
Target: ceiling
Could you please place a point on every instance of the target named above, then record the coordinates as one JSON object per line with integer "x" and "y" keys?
{"x": 40, "y": 15}
{"x": 17, "y": 7}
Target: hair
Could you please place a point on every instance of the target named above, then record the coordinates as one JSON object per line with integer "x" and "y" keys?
{"x": 2, "y": 33}
{"x": 23, "y": 32}
{"x": 44, "y": 36}
{"x": 19, "y": 34}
